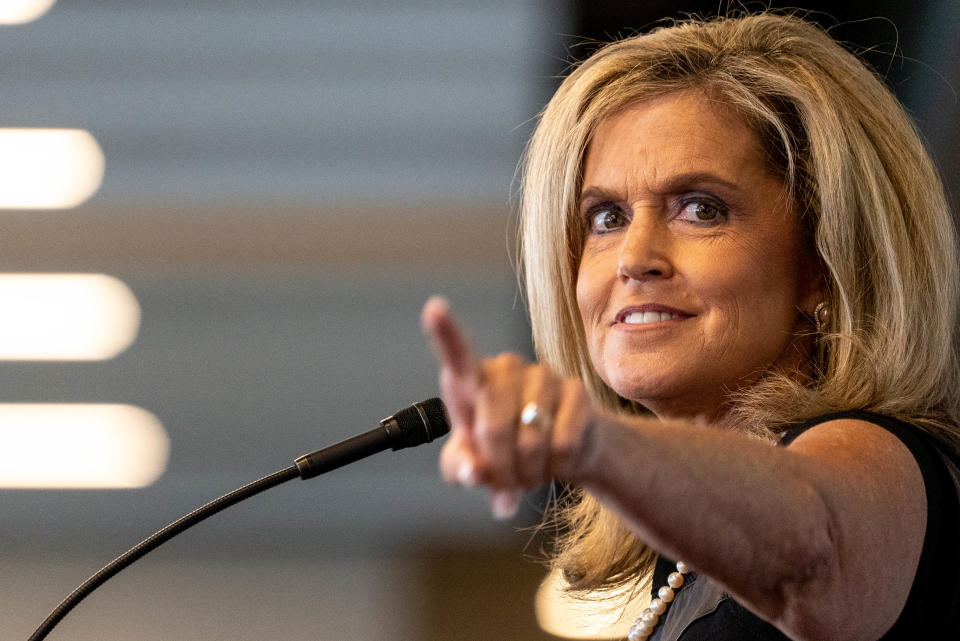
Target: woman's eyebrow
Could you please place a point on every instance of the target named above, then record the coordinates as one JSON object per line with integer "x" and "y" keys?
{"x": 669, "y": 185}
{"x": 679, "y": 182}
{"x": 597, "y": 193}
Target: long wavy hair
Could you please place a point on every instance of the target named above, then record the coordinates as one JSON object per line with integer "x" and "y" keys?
{"x": 871, "y": 204}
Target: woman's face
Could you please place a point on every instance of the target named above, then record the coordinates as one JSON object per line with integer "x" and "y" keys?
{"x": 693, "y": 278}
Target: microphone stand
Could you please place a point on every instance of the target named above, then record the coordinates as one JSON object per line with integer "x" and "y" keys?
{"x": 420, "y": 423}
{"x": 155, "y": 540}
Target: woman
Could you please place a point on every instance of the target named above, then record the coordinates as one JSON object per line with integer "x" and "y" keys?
{"x": 730, "y": 230}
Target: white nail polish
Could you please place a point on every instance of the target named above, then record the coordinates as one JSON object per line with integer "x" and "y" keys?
{"x": 465, "y": 475}
{"x": 504, "y": 505}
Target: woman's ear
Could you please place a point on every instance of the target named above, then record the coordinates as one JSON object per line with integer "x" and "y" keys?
{"x": 817, "y": 294}
{"x": 814, "y": 283}
{"x": 814, "y": 300}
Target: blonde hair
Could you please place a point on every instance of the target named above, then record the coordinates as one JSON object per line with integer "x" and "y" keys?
{"x": 870, "y": 201}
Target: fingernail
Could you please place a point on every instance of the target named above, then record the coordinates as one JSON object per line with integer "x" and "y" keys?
{"x": 466, "y": 475}
{"x": 439, "y": 302}
{"x": 504, "y": 505}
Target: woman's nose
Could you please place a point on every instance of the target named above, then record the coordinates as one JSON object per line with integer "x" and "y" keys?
{"x": 645, "y": 251}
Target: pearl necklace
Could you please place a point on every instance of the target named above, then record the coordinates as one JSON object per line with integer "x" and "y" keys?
{"x": 643, "y": 627}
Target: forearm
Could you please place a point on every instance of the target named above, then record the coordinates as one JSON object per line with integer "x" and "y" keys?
{"x": 735, "y": 508}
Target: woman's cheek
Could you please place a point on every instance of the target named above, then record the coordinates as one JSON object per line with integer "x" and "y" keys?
{"x": 594, "y": 279}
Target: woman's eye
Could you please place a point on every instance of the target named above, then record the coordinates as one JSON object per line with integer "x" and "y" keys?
{"x": 701, "y": 211}
{"x": 604, "y": 219}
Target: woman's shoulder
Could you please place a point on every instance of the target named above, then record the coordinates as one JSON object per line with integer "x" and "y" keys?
{"x": 927, "y": 450}
{"x": 915, "y": 438}
{"x": 933, "y": 605}
{"x": 932, "y": 610}
{"x": 939, "y": 464}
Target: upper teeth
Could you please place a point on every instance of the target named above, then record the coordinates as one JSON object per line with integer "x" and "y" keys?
{"x": 637, "y": 318}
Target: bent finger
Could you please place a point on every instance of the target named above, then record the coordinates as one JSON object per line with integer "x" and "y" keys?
{"x": 458, "y": 461}
{"x": 541, "y": 396}
{"x": 497, "y": 415}
{"x": 574, "y": 418}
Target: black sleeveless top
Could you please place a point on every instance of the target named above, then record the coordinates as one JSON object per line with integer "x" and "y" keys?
{"x": 702, "y": 611}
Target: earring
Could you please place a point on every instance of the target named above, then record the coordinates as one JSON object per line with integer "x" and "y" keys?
{"x": 821, "y": 315}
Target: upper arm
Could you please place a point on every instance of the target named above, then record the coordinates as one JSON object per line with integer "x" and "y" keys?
{"x": 874, "y": 497}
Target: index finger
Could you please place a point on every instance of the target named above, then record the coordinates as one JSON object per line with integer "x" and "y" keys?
{"x": 459, "y": 366}
{"x": 450, "y": 345}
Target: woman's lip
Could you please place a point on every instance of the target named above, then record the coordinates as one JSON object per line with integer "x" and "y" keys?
{"x": 632, "y": 313}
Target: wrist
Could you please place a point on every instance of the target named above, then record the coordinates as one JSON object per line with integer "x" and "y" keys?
{"x": 586, "y": 466}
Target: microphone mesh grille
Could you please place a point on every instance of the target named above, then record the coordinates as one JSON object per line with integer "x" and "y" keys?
{"x": 437, "y": 422}
{"x": 411, "y": 422}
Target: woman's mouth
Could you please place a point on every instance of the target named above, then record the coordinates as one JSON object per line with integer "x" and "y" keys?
{"x": 648, "y": 314}
{"x": 642, "y": 318}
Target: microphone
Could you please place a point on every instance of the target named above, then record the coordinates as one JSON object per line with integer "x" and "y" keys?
{"x": 420, "y": 423}
{"x": 415, "y": 425}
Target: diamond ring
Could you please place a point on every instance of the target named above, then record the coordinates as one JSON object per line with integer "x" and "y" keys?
{"x": 531, "y": 415}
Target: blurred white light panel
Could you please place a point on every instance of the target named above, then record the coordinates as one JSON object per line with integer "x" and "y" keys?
{"x": 81, "y": 445}
{"x": 602, "y": 615}
{"x": 65, "y": 317}
{"x": 22, "y": 11}
{"x": 48, "y": 168}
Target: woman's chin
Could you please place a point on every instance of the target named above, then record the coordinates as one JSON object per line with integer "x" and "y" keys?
{"x": 648, "y": 393}
{"x": 667, "y": 398}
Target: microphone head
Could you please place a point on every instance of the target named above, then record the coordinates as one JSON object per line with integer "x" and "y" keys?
{"x": 420, "y": 423}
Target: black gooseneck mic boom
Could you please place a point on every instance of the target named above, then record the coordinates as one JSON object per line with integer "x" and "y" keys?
{"x": 420, "y": 423}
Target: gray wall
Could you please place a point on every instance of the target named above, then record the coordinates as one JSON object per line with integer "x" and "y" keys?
{"x": 286, "y": 183}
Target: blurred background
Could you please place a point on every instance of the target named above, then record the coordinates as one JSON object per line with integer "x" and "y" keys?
{"x": 274, "y": 189}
